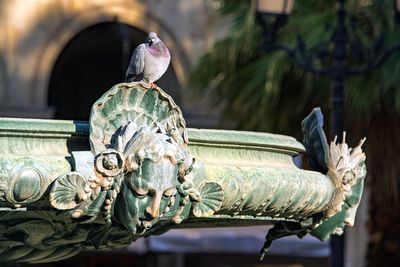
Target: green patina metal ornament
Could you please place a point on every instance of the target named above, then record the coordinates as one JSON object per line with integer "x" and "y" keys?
{"x": 132, "y": 172}
{"x": 346, "y": 169}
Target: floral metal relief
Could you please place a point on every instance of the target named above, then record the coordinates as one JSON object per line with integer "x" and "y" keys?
{"x": 141, "y": 171}
{"x": 346, "y": 169}
{"x": 139, "y": 178}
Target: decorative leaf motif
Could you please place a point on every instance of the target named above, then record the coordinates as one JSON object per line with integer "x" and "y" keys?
{"x": 345, "y": 167}
{"x": 68, "y": 191}
{"x": 211, "y": 200}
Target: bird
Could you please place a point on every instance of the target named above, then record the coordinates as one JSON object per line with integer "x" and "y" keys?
{"x": 149, "y": 61}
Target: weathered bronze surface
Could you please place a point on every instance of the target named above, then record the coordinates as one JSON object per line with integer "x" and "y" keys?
{"x": 135, "y": 170}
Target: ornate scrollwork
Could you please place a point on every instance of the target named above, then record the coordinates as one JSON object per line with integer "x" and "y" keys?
{"x": 140, "y": 148}
{"x": 140, "y": 161}
{"x": 344, "y": 166}
{"x": 140, "y": 179}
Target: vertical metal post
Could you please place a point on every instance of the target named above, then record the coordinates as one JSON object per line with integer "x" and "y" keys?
{"x": 340, "y": 39}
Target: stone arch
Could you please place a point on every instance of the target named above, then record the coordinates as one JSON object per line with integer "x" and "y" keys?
{"x": 135, "y": 15}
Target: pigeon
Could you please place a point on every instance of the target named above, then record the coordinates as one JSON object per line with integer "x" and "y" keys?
{"x": 149, "y": 61}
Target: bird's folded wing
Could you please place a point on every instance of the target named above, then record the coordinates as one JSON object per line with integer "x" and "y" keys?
{"x": 136, "y": 65}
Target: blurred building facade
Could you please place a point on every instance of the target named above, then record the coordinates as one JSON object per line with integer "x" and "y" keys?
{"x": 58, "y": 56}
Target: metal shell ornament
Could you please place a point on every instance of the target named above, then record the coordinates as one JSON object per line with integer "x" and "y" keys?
{"x": 69, "y": 190}
{"x": 136, "y": 103}
{"x": 211, "y": 200}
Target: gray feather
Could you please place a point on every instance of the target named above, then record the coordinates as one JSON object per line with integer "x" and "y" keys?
{"x": 136, "y": 66}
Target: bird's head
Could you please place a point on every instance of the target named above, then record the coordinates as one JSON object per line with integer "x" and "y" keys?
{"x": 152, "y": 38}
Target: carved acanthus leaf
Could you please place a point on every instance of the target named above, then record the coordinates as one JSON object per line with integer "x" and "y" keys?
{"x": 345, "y": 167}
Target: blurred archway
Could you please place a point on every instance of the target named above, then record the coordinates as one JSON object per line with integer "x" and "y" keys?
{"x": 94, "y": 60}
